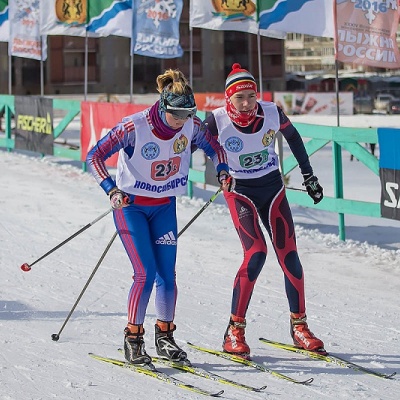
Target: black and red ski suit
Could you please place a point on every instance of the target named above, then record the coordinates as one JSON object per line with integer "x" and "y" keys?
{"x": 264, "y": 198}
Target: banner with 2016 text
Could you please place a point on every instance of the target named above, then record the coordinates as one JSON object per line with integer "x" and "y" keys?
{"x": 25, "y": 38}
{"x": 365, "y": 33}
{"x": 156, "y": 28}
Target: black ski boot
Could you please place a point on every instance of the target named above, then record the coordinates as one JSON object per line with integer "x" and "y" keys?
{"x": 165, "y": 343}
{"x": 134, "y": 348}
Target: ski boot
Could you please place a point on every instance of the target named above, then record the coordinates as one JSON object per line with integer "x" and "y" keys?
{"x": 302, "y": 336}
{"x": 234, "y": 340}
{"x": 134, "y": 348}
{"x": 165, "y": 343}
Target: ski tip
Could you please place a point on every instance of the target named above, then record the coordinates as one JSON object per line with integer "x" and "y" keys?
{"x": 321, "y": 351}
{"x": 390, "y": 376}
{"x": 220, "y": 393}
{"x": 185, "y": 362}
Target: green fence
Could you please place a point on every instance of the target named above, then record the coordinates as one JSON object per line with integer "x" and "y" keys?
{"x": 317, "y": 137}
{"x": 348, "y": 139}
{"x": 67, "y": 109}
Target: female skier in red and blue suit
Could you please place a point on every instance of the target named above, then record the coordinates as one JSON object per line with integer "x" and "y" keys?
{"x": 154, "y": 155}
{"x": 246, "y": 128}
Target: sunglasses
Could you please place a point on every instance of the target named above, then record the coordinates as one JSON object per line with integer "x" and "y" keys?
{"x": 181, "y": 113}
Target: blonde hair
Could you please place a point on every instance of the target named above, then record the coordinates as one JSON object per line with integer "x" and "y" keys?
{"x": 174, "y": 81}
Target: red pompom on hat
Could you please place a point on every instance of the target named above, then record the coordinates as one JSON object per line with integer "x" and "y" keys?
{"x": 239, "y": 79}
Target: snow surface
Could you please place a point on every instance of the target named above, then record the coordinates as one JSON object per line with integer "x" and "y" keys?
{"x": 352, "y": 292}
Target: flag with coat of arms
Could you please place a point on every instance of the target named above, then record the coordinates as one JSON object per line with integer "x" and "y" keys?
{"x": 93, "y": 18}
{"x": 228, "y": 16}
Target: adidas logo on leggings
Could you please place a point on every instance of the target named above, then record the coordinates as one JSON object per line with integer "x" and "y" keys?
{"x": 168, "y": 238}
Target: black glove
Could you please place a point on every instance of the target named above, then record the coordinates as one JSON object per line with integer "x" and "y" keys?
{"x": 314, "y": 189}
{"x": 227, "y": 181}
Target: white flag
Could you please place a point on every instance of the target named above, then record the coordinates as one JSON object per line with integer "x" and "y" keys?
{"x": 63, "y": 17}
{"x": 110, "y": 17}
{"x": 25, "y": 39}
{"x": 228, "y": 16}
{"x": 310, "y": 17}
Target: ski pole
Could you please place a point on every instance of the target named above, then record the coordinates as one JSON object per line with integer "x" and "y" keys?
{"x": 299, "y": 189}
{"x": 213, "y": 197}
{"x": 27, "y": 267}
{"x": 56, "y": 336}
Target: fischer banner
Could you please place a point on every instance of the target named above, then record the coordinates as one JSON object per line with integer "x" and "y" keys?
{"x": 34, "y": 124}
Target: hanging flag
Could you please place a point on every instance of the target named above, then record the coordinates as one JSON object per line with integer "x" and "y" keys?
{"x": 110, "y": 17}
{"x": 92, "y": 17}
{"x": 25, "y": 38}
{"x": 310, "y": 17}
{"x": 156, "y": 28}
{"x": 4, "y": 22}
{"x": 63, "y": 17}
{"x": 365, "y": 33}
{"x": 228, "y": 16}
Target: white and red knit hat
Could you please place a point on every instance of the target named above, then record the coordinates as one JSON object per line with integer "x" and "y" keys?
{"x": 239, "y": 79}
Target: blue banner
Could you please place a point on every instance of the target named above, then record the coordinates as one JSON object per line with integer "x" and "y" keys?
{"x": 389, "y": 171}
{"x": 389, "y": 145}
{"x": 155, "y": 31}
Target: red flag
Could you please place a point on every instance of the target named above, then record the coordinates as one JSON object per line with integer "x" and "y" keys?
{"x": 98, "y": 118}
{"x": 365, "y": 33}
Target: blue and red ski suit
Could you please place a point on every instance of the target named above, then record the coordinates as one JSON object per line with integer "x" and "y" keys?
{"x": 148, "y": 225}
